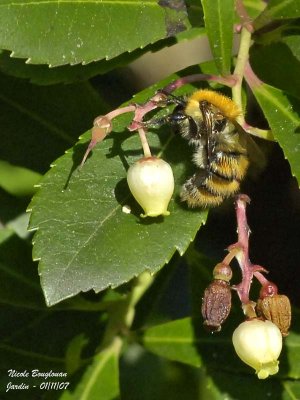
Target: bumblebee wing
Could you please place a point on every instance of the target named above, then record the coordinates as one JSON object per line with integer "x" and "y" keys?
{"x": 255, "y": 154}
{"x": 208, "y": 123}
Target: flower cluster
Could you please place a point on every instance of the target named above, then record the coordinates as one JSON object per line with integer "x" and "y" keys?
{"x": 258, "y": 340}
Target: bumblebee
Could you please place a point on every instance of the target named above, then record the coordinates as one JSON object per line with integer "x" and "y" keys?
{"x": 207, "y": 119}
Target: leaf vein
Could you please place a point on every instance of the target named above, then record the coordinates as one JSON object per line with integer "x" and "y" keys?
{"x": 31, "y": 354}
{"x": 92, "y": 235}
{"x": 33, "y": 115}
{"x": 19, "y": 277}
{"x": 101, "y": 2}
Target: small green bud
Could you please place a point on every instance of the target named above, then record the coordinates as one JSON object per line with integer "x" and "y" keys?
{"x": 222, "y": 271}
{"x": 151, "y": 182}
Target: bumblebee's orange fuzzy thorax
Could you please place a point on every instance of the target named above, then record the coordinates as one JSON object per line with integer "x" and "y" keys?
{"x": 227, "y": 106}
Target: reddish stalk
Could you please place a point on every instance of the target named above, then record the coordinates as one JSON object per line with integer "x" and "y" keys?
{"x": 103, "y": 124}
{"x": 242, "y": 244}
{"x": 251, "y": 78}
{"x": 245, "y": 19}
{"x": 102, "y": 127}
{"x": 227, "y": 81}
{"x": 240, "y": 251}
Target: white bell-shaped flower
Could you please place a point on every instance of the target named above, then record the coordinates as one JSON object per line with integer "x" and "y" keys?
{"x": 258, "y": 343}
{"x": 151, "y": 182}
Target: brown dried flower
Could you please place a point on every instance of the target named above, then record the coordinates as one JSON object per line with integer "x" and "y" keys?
{"x": 276, "y": 309}
{"x": 216, "y": 304}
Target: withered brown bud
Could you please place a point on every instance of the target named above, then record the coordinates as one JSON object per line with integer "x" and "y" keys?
{"x": 222, "y": 271}
{"x": 216, "y": 304}
{"x": 276, "y": 309}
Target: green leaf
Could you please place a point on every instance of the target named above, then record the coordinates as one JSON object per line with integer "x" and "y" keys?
{"x": 254, "y": 7}
{"x": 57, "y": 33}
{"x": 159, "y": 303}
{"x": 39, "y": 123}
{"x": 20, "y": 285}
{"x": 101, "y": 379}
{"x": 219, "y": 17}
{"x": 92, "y": 228}
{"x": 18, "y": 181}
{"x": 74, "y": 353}
{"x": 216, "y": 385}
{"x": 19, "y": 225}
{"x": 142, "y": 372}
{"x": 43, "y": 75}
{"x": 79, "y": 217}
{"x": 281, "y": 112}
{"x": 5, "y": 233}
{"x": 278, "y": 10}
{"x": 13, "y": 216}
{"x": 291, "y": 353}
{"x": 39, "y": 339}
{"x": 19, "y": 280}
{"x": 291, "y": 390}
{"x": 11, "y": 207}
{"x": 287, "y": 65}
{"x": 186, "y": 341}
{"x": 288, "y": 31}
{"x": 174, "y": 340}
{"x": 293, "y": 42}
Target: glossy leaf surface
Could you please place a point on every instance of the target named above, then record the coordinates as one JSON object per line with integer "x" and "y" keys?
{"x": 186, "y": 341}
{"x": 218, "y": 17}
{"x": 278, "y": 10}
{"x": 38, "y": 124}
{"x": 283, "y": 118}
{"x": 79, "y": 218}
{"x": 72, "y": 32}
{"x": 101, "y": 377}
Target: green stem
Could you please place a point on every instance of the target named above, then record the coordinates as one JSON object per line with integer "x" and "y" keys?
{"x": 143, "y": 281}
{"x": 122, "y": 313}
{"x": 144, "y": 142}
{"x": 242, "y": 59}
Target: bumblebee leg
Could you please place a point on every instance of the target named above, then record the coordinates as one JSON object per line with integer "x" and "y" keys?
{"x": 172, "y": 119}
{"x": 171, "y": 99}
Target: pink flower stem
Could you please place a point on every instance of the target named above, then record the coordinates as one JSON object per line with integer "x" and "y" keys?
{"x": 103, "y": 124}
{"x": 240, "y": 251}
{"x": 227, "y": 81}
{"x": 244, "y": 16}
{"x": 102, "y": 127}
{"x": 259, "y": 276}
{"x": 242, "y": 256}
{"x": 144, "y": 141}
{"x": 158, "y": 100}
{"x": 251, "y": 78}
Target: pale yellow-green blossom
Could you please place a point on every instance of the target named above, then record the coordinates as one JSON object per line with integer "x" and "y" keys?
{"x": 258, "y": 343}
{"x": 151, "y": 182}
